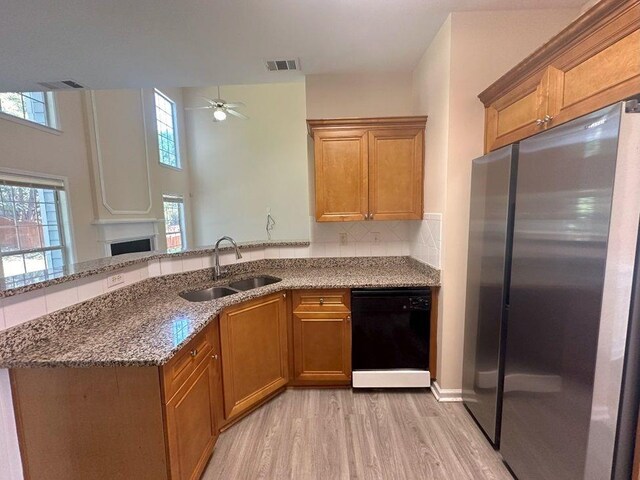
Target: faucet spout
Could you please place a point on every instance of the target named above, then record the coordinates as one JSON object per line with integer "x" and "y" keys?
{"x": 216, "y": 254}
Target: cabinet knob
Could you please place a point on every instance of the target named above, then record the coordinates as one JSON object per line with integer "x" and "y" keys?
{"x": 539, "y": 122}
{"x": 371, "y": 216}
{"x": 348, "y": 318}
{"x": 214, "y": 356}
{"x": 547, "y": 118}
{"x": 194, "y": 352}
{"x": 321, "y": 301}
{"x": 284, "y": 295}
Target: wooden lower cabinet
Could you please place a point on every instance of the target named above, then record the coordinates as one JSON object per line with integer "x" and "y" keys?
{"x": 321, "y": 323}
{"x": 193, "y": 413}
{"x": 120, "y": 423}
{"x": 253, "y": 339}
{"x": 191, "y": 425}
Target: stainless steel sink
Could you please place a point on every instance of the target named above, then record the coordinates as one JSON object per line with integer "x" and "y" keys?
{"x": 254, "y": 282}
{"x": 206, "y": 294}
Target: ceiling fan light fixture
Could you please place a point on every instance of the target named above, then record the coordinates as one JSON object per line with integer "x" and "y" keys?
{"x": 219, "y": 114}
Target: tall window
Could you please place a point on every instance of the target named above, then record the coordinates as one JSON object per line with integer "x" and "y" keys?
{"x": 31, "y": 233}
{"x": 167, "y": 126}
{"x": 32, "y": 106}
{"x": 174, "y": 223}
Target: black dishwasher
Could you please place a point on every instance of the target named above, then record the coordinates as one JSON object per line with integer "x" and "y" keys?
{"x": 390, "y": 336}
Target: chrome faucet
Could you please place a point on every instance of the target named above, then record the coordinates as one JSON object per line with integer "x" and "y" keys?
{"x": 216, "y": 255}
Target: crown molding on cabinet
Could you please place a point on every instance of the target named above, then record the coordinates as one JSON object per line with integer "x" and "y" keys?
{"x": 614, "y": 19}
{"x": 365, "y": 122}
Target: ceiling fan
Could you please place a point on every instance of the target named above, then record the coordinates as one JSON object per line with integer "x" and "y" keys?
{"x": 221, "y": 108}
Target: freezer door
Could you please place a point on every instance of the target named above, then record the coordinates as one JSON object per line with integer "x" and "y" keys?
{"x": 562, "y": 216}
{"x": 489, "y": 241}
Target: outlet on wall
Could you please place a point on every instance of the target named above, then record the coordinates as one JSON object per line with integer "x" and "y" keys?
{"x": 343, "y": 238}
{"x": 114, "y": 280}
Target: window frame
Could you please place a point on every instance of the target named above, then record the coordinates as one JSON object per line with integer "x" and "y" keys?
{"x": 174, "y": 119}
{"x": 58, "y": 186}
{"x": 179, "y": 200}
{"x": 51, "y": 110}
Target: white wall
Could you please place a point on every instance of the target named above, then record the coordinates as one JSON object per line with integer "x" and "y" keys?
{"x": 62, "y": 153}
{"x": 243, "y": 167}
{"x": 359, "y": 95}
{"x": 126, "y": 141}
{"x": 476, "y": 48}
{"x": 71, "y": 153}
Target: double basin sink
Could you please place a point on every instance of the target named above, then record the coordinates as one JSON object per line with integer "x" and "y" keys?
{"x": 233, "y": 287}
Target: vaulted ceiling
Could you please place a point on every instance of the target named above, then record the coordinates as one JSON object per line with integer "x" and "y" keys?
{"x": 137, "y": 43}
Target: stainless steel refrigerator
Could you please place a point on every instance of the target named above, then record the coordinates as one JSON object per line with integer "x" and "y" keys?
{"x": 552, "y": 248}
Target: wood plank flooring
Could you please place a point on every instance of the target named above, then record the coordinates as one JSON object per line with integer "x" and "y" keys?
{"x": 308, "y": 434}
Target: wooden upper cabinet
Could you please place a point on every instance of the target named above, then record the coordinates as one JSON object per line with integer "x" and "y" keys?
{"x": 592, "y": 63}
{"x": 395, "y": 180}
{"x": 342, "y": 176}
{"x": 368, "y": 168}
{"x": 254, "y": 345}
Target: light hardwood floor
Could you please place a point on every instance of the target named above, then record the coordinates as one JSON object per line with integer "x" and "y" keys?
{"x": 341, "y": 434}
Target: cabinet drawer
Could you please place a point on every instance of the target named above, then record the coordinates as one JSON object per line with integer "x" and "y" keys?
{"x": 176, "y": 372}
{"x": 322, "y": 300}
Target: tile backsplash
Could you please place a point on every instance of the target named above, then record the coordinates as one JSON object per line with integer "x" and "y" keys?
{"x": 426, "y": 239}
{"x": 420, "y": 239}
{"x": 360, "y": 239}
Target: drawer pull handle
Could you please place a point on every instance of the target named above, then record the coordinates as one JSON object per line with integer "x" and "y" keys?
{"x": 194, "y": 352}
{"x": 321, "y": 301}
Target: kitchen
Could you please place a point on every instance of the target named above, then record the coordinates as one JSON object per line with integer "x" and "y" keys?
{"x": 338, "y": 188}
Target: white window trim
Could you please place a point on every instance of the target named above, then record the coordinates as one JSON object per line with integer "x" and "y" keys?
{"x": 52, "y": 114}
{"x": 67, "y": 214}
{"x": 183, "y": 223}
{"x": 67, "y": 245}
{"x": 176, "y": 136}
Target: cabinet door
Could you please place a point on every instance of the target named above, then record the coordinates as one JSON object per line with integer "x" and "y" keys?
{"x": 253, "y": 339}
{"x": 395, "y": 174}
{"x": 600, "y": 79}
{"x": 321, "y": 337}
{"x": 216, "y": 356}
{"x": 515, "y": 116}
{"x": 322, "y": 347}
{"x": 191, "y": 426}
{"x": 341, "y": 175}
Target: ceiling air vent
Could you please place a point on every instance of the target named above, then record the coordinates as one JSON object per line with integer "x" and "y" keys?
{"x": 283, "y": 65}
{"x": 61, "y": 85}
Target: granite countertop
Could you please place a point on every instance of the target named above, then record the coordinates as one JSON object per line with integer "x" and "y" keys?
{"x": 145, "y": 324}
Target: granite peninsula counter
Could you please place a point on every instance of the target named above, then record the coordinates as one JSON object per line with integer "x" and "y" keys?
{"x": 145, "y": 324}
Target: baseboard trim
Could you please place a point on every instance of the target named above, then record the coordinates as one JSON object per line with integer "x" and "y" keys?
{"x": 446, "y": 395}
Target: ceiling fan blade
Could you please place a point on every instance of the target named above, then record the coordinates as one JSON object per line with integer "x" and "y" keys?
{"x": 208, "y": 107}
{"x": 237, "y": 114}
{"x": 207, "y": 99}
{"x": 234, "y": 105}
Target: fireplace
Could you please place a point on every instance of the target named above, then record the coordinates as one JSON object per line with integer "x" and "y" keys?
{"x": 128, "y": 235}
{"x": 131, "y": 246}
